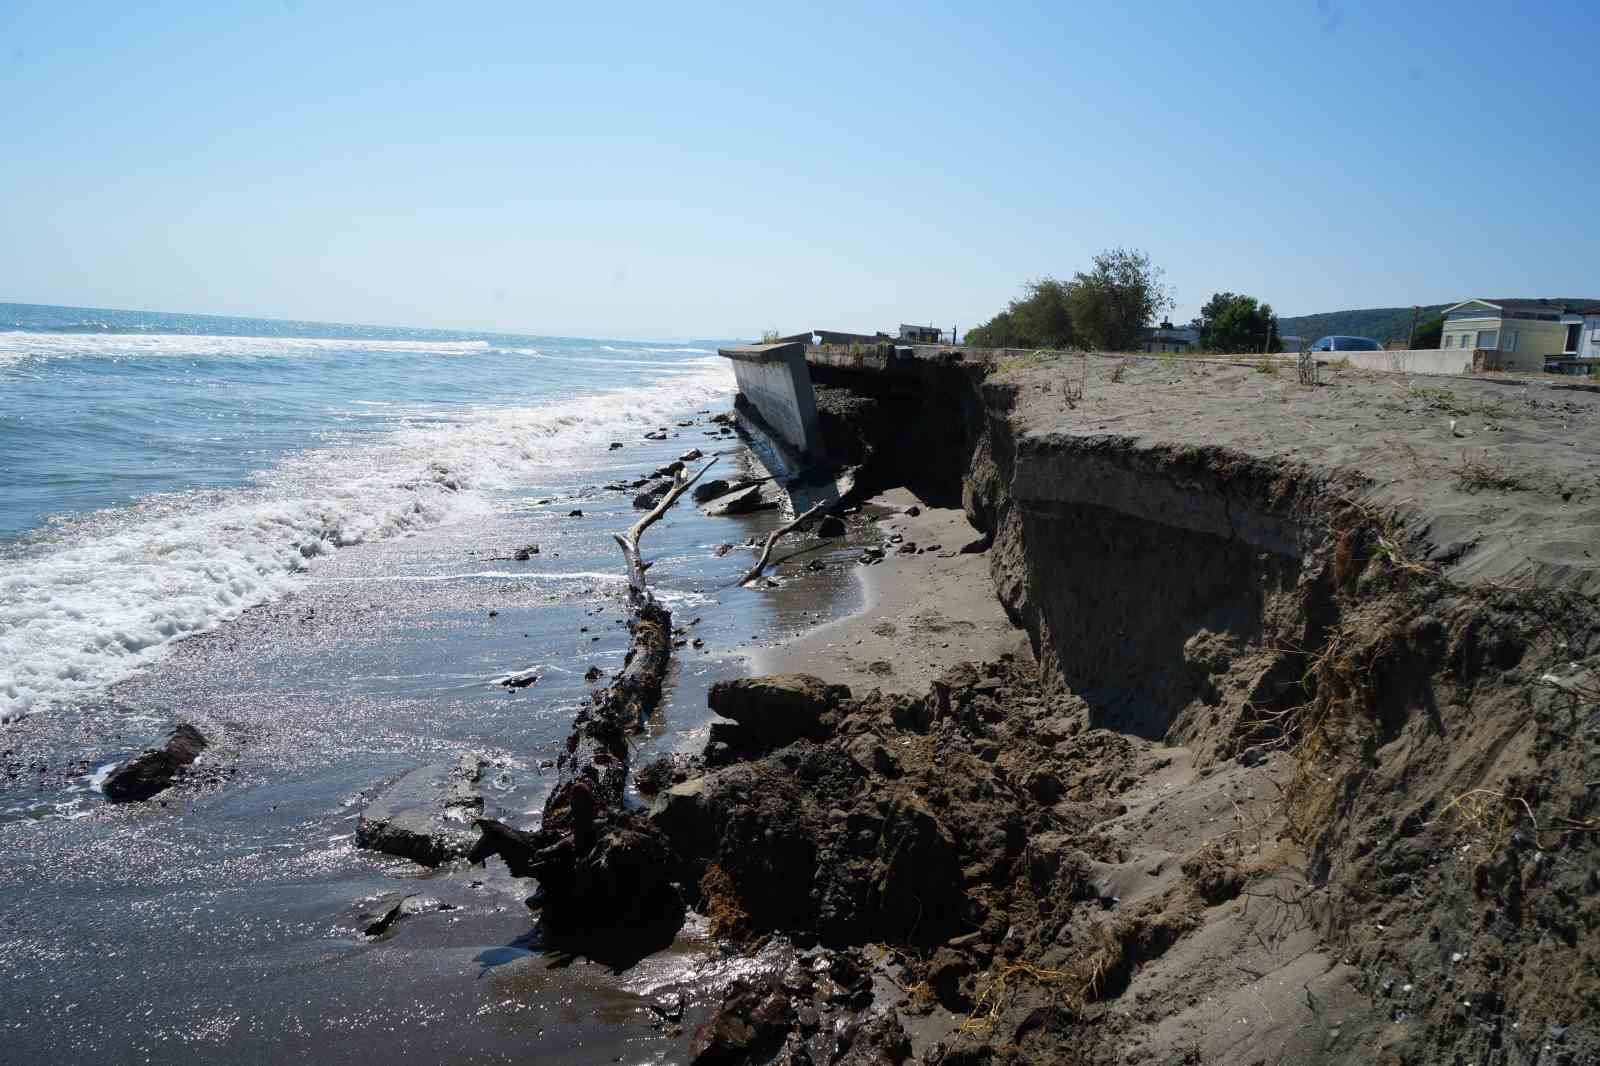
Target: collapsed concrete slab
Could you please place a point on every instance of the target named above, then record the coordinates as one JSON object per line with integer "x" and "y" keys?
{"x": 774, "y": 379}
{"x": 427, "y": 815}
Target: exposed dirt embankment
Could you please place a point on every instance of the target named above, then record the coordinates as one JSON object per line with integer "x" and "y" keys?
{"x": 1307, "y": 763}
{"x": 1253, "y": 569}
{"x": 916, "y": 425}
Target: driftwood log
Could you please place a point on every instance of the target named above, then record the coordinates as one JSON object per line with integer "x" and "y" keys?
{"x": 598, "y": 864}
{"x": 772, "y": 538}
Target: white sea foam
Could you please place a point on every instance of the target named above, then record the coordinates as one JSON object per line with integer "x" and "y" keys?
{"x": 529, "y": 577}
{"x": 16, "y": 345}
{"x": 112, "y": 593}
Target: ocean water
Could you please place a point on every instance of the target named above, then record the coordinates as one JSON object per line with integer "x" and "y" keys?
{"x": 301, "y": 539}
{"x": 162, "y": 473}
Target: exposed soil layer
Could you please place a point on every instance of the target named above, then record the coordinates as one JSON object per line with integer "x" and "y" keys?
{"x": 1304, "y": 764}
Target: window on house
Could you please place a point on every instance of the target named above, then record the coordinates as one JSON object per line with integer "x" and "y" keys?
{"x": 1511, "y": 340}
{"x": 1489, "y": 339}
{"x": 1449, "y": 340}
{"x": 1571, "y": 347}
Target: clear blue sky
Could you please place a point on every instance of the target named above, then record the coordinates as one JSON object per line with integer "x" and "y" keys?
{"x": 678, "y": 170}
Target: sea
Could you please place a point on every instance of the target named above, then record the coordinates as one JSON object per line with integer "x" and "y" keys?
{"x": 303, "y": 539}
{"x": 162, "y": 473}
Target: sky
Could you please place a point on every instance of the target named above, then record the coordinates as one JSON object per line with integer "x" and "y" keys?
{"x": 694, "y": 170}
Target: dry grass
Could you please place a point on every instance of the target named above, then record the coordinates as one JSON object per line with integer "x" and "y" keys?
{"x": 1388, "y": 543}
{"x": 1118, "y": 949}
{"x": 1022, "y": 362}
{"x": 1120, "y": 371}
{"x": 1479, "y": 472}
{"x": 1486, "y": 817}
{"x": 1450, "y": 402}
{"x": 1418, "y": 466}
{"x": 921, "y": 995}
{"x": 719, "y": 898}
{"x": 994, "y": 992}
{"x": 1340, "y": 679}
{"x": 1306, "y": 369}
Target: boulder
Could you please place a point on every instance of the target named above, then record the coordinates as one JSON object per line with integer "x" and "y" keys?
{"x": 945, "y": 973}
{"x": 143, "y": 776}
{"x": 710, "y": 490}
{"x": 525, "y": 553}
{"x": 691, "y": 455}
{"x": 427, "y": 815}
{"x": 774, "y": 711}
{"x": 652, "y": 495}
{"x": 751, "y": 1022}
{"x": 686, "y": 813}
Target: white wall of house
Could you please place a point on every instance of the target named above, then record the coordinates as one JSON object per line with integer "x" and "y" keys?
{"x": 1479, "y": 331}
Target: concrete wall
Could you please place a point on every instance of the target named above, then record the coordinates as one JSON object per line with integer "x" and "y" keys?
{"x": 774, "y": 378}
{"x": 1415, "y": 361}
{"x": 1589, "y": 339}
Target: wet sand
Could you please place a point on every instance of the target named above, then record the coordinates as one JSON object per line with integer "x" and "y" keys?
{"x": 921, "y": 613}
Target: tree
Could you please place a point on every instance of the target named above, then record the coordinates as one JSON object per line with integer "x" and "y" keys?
{"x": 1042, "y": 319}
{"x": 1037, "y": 320}
{"x": 1429, "y": 333}
{"x": 1231, "y": 322}
{"x": 1109, "y": 307}
{"x": 1113, "y": 304}
{"x": 995, "y": 333}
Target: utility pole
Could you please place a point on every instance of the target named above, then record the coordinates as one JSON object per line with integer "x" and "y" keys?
{"x": 1411, "y": 338}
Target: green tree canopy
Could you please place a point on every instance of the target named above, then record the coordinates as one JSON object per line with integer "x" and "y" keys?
{"x": 1116, "y": 301}
{"x": 1108, "y": 307}
{"x": 1231, "y": 322}
{"x": 1038, "y": 320}
{"x": 1043, "y": 316}
{"x": 1428, "y": 333}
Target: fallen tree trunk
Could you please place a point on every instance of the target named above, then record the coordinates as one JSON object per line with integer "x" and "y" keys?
{"x": 598, "y": 863}
{"x": 772, "y": 538}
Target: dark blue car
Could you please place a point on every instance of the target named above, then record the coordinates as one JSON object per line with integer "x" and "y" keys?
{"x": 1346, "y": 344}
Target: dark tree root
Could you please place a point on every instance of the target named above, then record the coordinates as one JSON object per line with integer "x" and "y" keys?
{"x": 600, "y": 866}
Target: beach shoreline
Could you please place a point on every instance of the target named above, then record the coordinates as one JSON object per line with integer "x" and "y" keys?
{"x": 1060, "y": 779}
{"x": 1123, "y": 846}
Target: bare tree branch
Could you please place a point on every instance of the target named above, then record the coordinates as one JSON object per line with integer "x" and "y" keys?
{"x": 638, "y": 592}
{"x": 772, "y": 538}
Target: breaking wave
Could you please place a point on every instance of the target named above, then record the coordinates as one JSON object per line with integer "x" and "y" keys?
{"x": 109, "y": 592}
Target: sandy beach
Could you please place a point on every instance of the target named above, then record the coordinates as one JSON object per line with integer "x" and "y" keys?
{"x": 921, "y": 612}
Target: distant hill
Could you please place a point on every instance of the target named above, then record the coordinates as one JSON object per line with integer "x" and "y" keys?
{"x": 1382, "y": 324}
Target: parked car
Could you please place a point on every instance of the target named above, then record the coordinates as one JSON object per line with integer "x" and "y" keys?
{"x": 1346, "y": 344}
